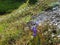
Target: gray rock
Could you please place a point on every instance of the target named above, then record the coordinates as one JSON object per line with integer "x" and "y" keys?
{"x": 53, "y": 16}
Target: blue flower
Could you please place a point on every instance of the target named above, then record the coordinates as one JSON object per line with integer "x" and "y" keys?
{"x": 34, "y": 34}
{"x": 34, "y": 29}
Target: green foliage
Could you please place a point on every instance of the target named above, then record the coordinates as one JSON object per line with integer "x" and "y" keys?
{"x": 32, "y": 1}
{"x": 6, "y": 6}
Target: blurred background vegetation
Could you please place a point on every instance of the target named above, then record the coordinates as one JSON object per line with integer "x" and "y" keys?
{"x": 7, "y": 6}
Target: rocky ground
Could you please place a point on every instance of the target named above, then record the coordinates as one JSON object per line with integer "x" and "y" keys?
{"x": 52, "y": 15}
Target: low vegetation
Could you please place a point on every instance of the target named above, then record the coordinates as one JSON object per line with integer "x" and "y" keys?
{"x": 13, "y": 26}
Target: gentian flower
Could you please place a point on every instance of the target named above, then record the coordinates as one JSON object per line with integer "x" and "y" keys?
{"x": 34, "y": 34}
{"x": 34, "y": 29}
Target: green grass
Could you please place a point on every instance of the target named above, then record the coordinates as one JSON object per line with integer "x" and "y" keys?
{"x": 3, "y": 26}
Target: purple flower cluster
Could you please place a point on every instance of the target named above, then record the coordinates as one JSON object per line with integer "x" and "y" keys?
{"x": 34, "y": 29}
